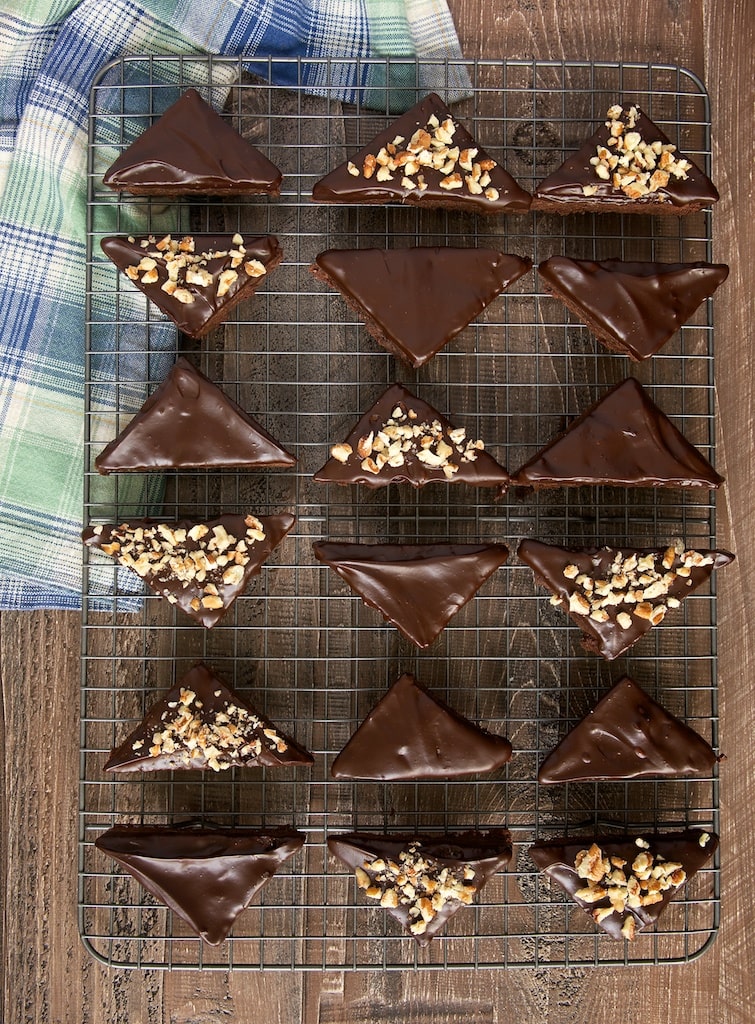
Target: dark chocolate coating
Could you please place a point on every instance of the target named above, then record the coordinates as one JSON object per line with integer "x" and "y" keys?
{"x": 207, "y": 310}
{"x": 487, "y": 852}
{"x": 384, "y": 287}
{"x": 339, "y": 186}
{"x": 206, "y": 875}
{"x": 561, "y": 191}
{"x": 188, "y": 422}
{"x": 623, "y": 439}
{"x": 411, "y": 734}
{"x": 633, "y": 308}
{"x": 484, "y": 471}
{"x": 167, "y": 585}
{"x": 608, "y": 638}
{"x": 191, "y": 149}
{"x": 418, "y": 588}
{"x": 215, "y": 697}
{"x": 556, "y": 859}
{"x": 627, "y": 735}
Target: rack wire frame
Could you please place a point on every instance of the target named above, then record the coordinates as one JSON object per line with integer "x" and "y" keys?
{"x": 299, "y": 644}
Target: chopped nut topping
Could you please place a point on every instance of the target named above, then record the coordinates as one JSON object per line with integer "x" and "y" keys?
{"x": 421, "y": 883}
{"x": 403, "y": 436}
{"x": 620, "y": 890}
{"x": 430, "y": 146}
{"x": 186, "y": 269}
{"x": 632, "y": 165}
{"x": 193, "y": 735}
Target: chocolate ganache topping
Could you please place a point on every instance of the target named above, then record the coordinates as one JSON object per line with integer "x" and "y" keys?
{"x": 624, "y": 883}
{"x": 207, "y": 875}
{"x": 189, "y": 422}
{"x": 627, "y": 735}
{"x": 423, "y": 880}
{"x": 384, "y": 286}
{"x": 191, "y": 149}
{"x": 418, "y": 588}
{"x": 411, "y": 734}
{"x": 623, "y": 439}
{"x": 201, "y": 723}
{"x": 633, "y": 308}
{"x": 424, "y": 158}
{"x": 200, "y": 567}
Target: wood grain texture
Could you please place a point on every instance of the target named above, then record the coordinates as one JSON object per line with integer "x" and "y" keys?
{"x": 49, "y": 977}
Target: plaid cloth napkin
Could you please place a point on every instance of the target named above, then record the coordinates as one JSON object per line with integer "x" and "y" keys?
{"x": 50, "y": 51}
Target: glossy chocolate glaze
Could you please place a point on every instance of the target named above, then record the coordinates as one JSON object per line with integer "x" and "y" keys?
{"x": 339, "y": 186}
{"x": 633, "y": 308}
{"x": 411, "y": 734}
{"x": 608, "y": 638}
{"x": 215, "y": 697}
{"x": 556, "y": 859}
{"x": 482, "y": 471}
{"x": 207, "y": 310}
{"x": 190, "y": 423}
{"x": 486, "y": 852}
{"x": 206, "y": 875}
{"x": 383, "y": 286}
{"x": 191, "y": 149}
{"x": 627, "y": 735}
{"x": 418, "y": 588}
{"x": 622, "y": 439}
{"x": 562, "y": 191}
{"x": 181, "y": 593}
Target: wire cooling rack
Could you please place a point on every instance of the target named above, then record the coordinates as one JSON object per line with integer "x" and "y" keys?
{"x": 299, "y": 644}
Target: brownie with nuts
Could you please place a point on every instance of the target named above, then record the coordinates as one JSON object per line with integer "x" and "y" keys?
{"x": 624, "y": 883}
{"x": 402, "y": 439}
{"x": 202, "y": 567}
{"x": 196, "y": 280}
{"x": 629, "y": 165}
{"x": 206, "y": 874}
{"x": 622, "y": 439}
{"x": 418, "y": 588}
{"x": 383, "y": 286}
{"x": 188, "y": 422}
{"x": 627, "y": 735}
{"x": 191, "y": 149}
{"x": 202, "y": 723}
{"x": 424, "y": 158}
{"x": 412, "y": 734}
{"x": 632, "y": 307}
{"x": 423, "y": 880}
{"x": 616, "y": 595}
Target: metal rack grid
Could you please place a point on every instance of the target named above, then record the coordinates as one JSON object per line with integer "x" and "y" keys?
{"x": 298, "y": 643}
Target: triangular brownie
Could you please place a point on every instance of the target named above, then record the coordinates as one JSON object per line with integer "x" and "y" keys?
{"x": 383, "y": 286}
{"x": 200, "y": 566}
{"x": 615, "y": 595}
{"x": 623, "y": 439}
{"x": 192, "y": 149}
{"x": 207, "y": 875}
{"x": 196, "y": 280}
{"x": 410, "y": 734}
{"x": 418, "y": 588}
{"x": 402, "y": 439}
{"x": 422, "y": 880}
{"x": 633, "y": 308}
{"x": 202, "y": 723}
{"x": 190, "y": 423}
{"x": 624, "y": 882}
{"x": 424, "y": 158}
{"x": 628, "y": 166}
{"x": 627, "y": 735}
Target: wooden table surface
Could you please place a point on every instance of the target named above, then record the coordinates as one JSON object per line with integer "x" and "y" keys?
{"x": 48, "y": 976}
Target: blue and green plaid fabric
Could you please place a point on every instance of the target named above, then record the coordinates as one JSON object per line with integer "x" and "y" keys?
{"x": 50, "y": 51}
